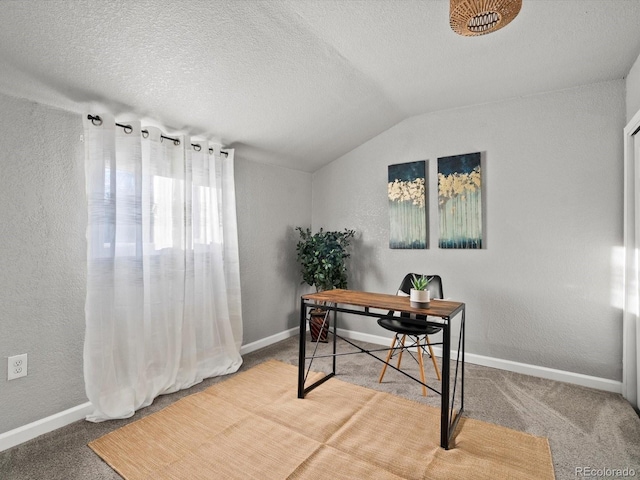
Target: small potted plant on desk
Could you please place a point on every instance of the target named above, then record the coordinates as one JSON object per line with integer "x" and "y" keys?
{"x": 322, "y": 259}
{"x": 419, "y": 296}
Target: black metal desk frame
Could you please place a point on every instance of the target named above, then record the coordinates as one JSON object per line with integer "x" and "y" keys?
{"x": 449, "y": 416}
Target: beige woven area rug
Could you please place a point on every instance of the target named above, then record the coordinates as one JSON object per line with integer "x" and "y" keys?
{"x": 253, "y": 426}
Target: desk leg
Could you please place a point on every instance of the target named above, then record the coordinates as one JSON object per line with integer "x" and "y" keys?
{"x": 335, "y": 337}
{"x": 462, "y": 333}
{"x": 444, "y": 400}
{"x": 302, "y": 353}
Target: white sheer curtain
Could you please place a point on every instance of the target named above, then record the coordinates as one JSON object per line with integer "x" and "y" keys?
{"x": 163, "y": 306}
{"x": 631, "y": 308}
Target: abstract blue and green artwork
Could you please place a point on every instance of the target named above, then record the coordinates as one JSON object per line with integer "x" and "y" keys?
{"x": 460, "y": 201}
{"x": 407, "y": 205}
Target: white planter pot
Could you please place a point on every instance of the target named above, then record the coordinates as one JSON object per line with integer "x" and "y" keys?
{"x": 419, "y": 298}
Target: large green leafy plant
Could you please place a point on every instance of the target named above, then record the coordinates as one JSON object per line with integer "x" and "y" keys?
{"x": 322, "y": 257}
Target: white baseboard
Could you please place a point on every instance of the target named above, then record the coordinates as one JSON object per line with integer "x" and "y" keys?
{"x": 598, "y": 383}
{"x": 265, "y": 342}
{"x": 508, "y": 365}
{"x": 35, "y": 429}
{"x": 40, "y": 427}
{"x": 32, "y": 430}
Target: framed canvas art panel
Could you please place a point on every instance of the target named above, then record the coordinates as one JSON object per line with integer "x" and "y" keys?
{"x": 406, "y": 189}
{"x": 460, "y": 201}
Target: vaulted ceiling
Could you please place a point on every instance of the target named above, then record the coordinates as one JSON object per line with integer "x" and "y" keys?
{"x": 298, "y": 83}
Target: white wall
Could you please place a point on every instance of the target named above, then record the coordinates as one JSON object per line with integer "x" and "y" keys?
{"x": 43, "y": 255}
{"x": 545, "y": 289}
{"x": 540, "y": 293}
{"x": 42, "y": 259}
{"x": 271, "y": 201}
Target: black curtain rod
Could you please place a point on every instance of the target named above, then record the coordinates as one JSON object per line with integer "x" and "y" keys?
{"x": 97, "y": 121}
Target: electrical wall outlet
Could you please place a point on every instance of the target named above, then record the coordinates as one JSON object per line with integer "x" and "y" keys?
{"x": 17, "y": 366}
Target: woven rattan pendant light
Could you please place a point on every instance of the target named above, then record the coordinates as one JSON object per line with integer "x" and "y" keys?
{"x": 477, "y": 17}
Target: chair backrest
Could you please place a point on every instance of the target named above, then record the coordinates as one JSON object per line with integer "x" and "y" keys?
{"x": 434, "y": 287}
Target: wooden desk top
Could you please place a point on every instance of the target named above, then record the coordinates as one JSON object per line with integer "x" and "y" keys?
{"x": 397, "y": 303}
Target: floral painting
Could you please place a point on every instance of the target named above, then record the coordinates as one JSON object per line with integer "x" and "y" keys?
{"x": 460, "y": 201}
{"x": 407, "y": 205}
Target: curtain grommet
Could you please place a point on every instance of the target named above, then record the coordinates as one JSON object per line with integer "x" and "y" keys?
{"x": 97, "y": 121}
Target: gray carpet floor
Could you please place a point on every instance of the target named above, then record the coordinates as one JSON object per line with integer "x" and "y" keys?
{"x": 586, "y": 428}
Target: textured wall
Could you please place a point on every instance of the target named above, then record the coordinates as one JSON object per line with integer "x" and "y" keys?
{"x": 545, "y": 290}
{"x": 43, "y": 255}
{"x": 42, "y": 260}
{"x": 542, "y": 292}
{"x": 271, "y": 202}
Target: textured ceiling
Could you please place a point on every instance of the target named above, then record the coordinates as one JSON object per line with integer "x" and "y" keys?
{"x": 299, "y": 83}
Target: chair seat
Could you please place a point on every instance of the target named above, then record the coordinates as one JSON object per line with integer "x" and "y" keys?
{"x": 403, "y": 326}
{"x": 406, "y": 328}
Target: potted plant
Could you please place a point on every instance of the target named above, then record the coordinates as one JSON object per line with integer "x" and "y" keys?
{"x": 419, "y": 295}
{"x": 322, "y": 258}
